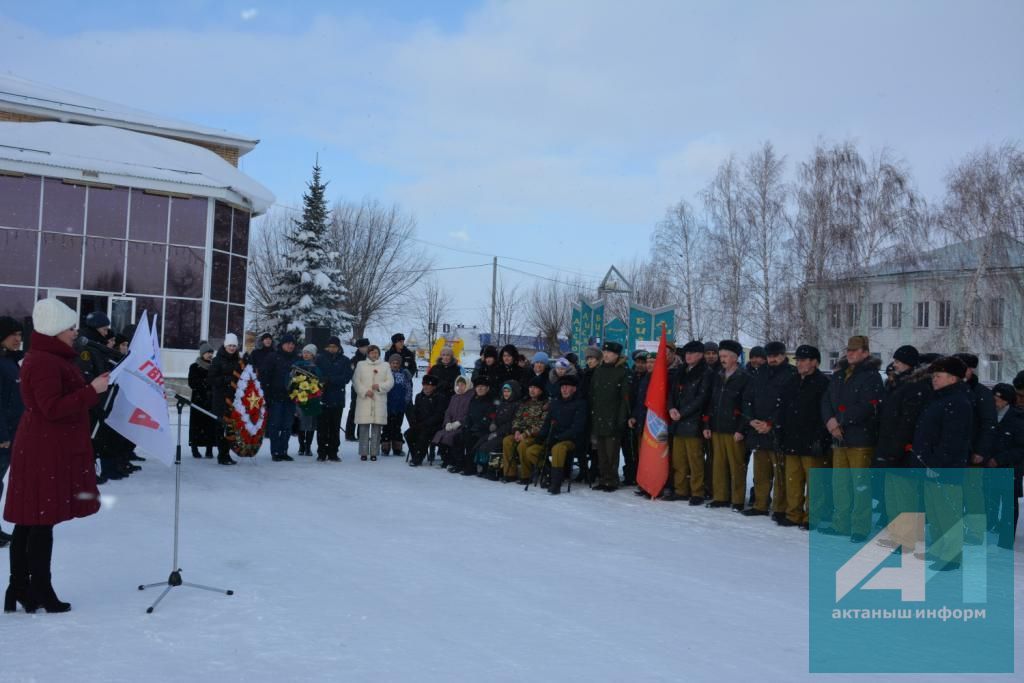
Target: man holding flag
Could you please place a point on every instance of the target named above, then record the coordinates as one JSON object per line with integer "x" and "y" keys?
{"x": 652, "y": 471}
{"x": 140, "y": 411}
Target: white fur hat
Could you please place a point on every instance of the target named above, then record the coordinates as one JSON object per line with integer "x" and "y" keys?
{"x": 230, "y": 339}
{"x": 51, "y": 317}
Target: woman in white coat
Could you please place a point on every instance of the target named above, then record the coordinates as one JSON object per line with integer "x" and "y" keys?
{"x": 372, "y": 382}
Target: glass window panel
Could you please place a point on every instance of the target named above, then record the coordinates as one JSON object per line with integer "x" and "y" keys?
{"x": 153, "y": 306}
{"x": 218, "y": 319}
{"x": 146, "y": 268}
{"x": 236, "y": 320}
{"x": 60, "y": 261}
{"x": 18, "y": 256}
{"x": 222, "y": 227}
{"x": 239, "y": 266}
{"x": 219, "y": 281}
{"x": 185, "y": 272}
{"x": 104, "y": 264}
{"x": 19, "y": 201}
{"x": 188, "y": 221}
{"x": 182, "y": 324}
{"x": 63, "y": 206}
{"x": 108, "y": 212}
{"x": 240, "y": 233}
{"x": 16, "y": 302}
{"x": 149, "y": 217}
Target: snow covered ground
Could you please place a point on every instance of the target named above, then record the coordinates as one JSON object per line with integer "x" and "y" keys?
{"x": 375, "y": 571}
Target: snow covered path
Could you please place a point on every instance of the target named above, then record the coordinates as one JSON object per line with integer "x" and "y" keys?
{"x": 382, "y": 572}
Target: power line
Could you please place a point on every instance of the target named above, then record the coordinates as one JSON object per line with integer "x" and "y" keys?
{"x": 433, "y": 270}
{"x": 507, "y": 258}
{"x": 540, "y": 277}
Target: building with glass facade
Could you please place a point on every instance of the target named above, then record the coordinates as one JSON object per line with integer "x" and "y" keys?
{"x": 117, "y": 210}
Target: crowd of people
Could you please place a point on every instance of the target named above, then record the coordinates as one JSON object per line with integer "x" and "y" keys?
{"x": 540, "y": 420}
{"x": 514, "y": 419}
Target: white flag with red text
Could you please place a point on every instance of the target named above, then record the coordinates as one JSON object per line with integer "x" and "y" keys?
{"x": 140, "y": 412}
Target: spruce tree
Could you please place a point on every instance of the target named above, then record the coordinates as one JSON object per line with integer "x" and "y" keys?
{"x": 309, "y": 289}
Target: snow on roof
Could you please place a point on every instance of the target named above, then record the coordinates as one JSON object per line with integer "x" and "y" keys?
{"x": 1004, "y": 252}
{"x": 123, "y": 157}
{"x": 45, "y": 101}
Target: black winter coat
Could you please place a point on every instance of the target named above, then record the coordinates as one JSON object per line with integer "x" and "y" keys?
{"x": 408, "y": 358}
{"x": 1008, "y": 445}
{"x": 202, "y": 430}
{"x": 222, "y": 374}
{"x": 984, "y": 418}
{"x": 762, "y": 401}
{"x": 943, "y": 435}
{"x": 565, "y": 421}
{"x": 427, "y": 414}
{"x": 690, "y": 394}
{"x": 11, "y": 407}
{"x": 336, "y": 372}
{"x": 854, "y": 402}
{"x": 609, "y": 399}
{"x": 638, "y": 400}
{"x": 799, "y": 428}
{"x": 725, "y": 410}
{"x": 446, "y": 376}
{"x": 906, "y": 396}
{"x": 486, "y": 372}
{"x": 480, "y": 415}
{"x": 258, "y": 357}
{"x": 505, "y": 412}
{"x": 277, "y": 377}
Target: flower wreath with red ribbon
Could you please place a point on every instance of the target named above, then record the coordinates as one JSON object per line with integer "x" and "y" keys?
{"x": 247, "y": 415}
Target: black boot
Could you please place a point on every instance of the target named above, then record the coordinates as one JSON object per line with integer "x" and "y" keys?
{"x": 224, "y": 457}
{"x": 209, "y": 452}
{"x": 557, "y": 476}
{"x": 18, "y": 588}
{"x": 385, "y": 447}
{"x": 196, "y": 453}
{"x": 40, "y": 552}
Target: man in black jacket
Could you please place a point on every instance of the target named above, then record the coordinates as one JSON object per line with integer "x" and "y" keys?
{"x": 258, "y": 357}
{"x": 563, "y": 429}
{"x": 93, "y": 362}
{"x": 425, "y": 419}
{"x": 336, "y": 370}
{"x": 850, "y": 411}
{"x": 942, "y": 442}
{"x": 689, "y": 397}
{"x": 276, "y": 384}
{"x": 761, "y": 413}
{"x": 725, "y": 428}
{"x": 984, "y": 410}
{"x": 802, "y": 436}
{"x": 362, "y": 345}
{"x": 1008, "y": 452}
{"x": 408, "y": 357}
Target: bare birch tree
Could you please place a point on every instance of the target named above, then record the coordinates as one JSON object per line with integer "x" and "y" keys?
{"x": 432, "y": 308}
{"x": 729, "y": 243}
{"x": 679, "y": 248}
{"x": 379, "y": 260}
{"x": 764, "y": 205}
{"x": 266, "y": 256}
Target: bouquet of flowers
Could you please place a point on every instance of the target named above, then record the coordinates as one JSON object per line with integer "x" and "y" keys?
{"x": 306, "y": 392}
{"x": 246, "y": 419}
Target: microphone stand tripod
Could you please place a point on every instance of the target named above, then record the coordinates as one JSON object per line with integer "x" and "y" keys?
{"x": 174, "y": 580}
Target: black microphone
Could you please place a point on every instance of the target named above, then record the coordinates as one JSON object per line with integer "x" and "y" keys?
{"x": 84, "y": 343}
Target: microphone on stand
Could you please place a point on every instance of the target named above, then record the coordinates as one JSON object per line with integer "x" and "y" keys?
{"x": 85, "y": 344}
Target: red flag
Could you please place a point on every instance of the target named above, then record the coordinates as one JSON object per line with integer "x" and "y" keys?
{"x": 652, "y": 470}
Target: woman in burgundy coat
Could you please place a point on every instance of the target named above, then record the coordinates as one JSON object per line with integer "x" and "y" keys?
{"x": 52, "y": 475}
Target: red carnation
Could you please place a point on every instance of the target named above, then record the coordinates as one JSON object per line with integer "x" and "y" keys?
{"x": 873, "y": 401}
{"x": 908, "y": 448}
{"x": 842, "y": 409}
{"x": 705, "y": 418}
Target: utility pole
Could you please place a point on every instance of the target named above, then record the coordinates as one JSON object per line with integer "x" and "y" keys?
{"x": 494, "y": 295}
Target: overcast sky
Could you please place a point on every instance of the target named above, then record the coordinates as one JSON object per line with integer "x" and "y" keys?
{"x": 554, "y": 131}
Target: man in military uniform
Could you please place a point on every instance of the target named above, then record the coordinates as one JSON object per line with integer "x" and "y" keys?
{"x": 762, "y": 414}
{"x": 850, "y": 409}
{"x": 689, "y": 395}
{"x": 563, "y": 430}
{"x": 725, "y": 428}
{"x": 609, "y": 410}
{"x": 802, "y": 437}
